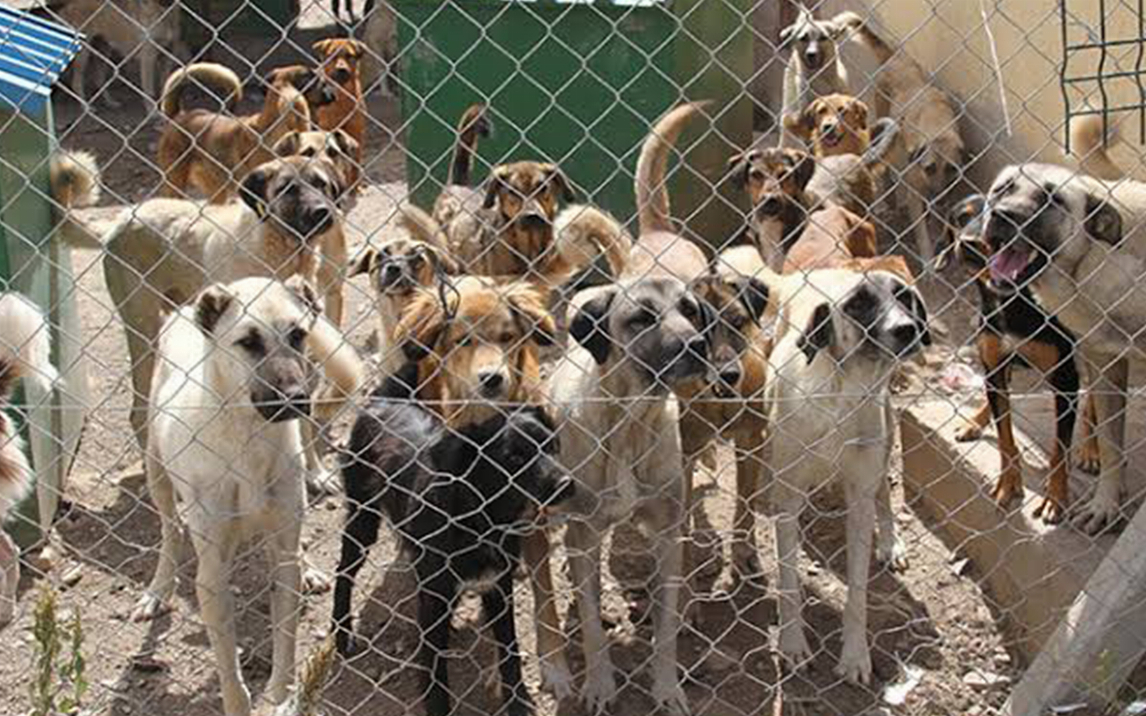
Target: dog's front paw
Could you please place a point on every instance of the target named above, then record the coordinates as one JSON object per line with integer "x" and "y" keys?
{"x": 150, "y": 606}
{"x": 600, "y": 686}
{"x": 1087, "y": 458}
{"x": 314, "y": 581}
{"x": 556, "y": 679}
{"x": 1099, "y": 514}
{"x": 794, "y": 646}
{"x": 968, "y": 434}
{"x": 322, "y": 481}
{"x": 855, "y": 661}
{"x": 893, "y": 553}
{"x": 669, "y": 696}
{"x": 746, "y": 561}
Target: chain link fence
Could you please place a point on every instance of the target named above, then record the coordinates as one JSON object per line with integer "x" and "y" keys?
{"x": 573, "y": 357}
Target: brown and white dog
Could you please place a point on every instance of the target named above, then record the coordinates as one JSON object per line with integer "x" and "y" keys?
{"x": 338, "y": 61}
{"x": 212, "y": 152}
{"x": 25, "y": 351}
{"x": 814, "y": 66}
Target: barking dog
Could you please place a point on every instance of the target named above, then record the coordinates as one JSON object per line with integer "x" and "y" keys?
{"x": 164, "y": 251}
{"x": 814, "y": 66}
{"x": 1062, "y": 235}
{"x": 928, "y": 128}
{"x": 847, "y": 330}
{"x": 1014, "y": 328}
{"x": 230, "y": 386}
{"x": 339, "y": 58}
{"x": 24, "y": 352}
{"x": 212, "y": 152}
{"x": 461, "y": 502}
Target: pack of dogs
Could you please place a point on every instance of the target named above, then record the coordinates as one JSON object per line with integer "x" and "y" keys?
{"x": 507, "y": 405}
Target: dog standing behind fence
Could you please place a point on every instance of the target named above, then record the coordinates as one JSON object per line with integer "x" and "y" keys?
{"x": 814, "y": 66}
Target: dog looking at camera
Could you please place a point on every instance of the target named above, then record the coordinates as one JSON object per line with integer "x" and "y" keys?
{"x": 814, "y": 68}
{"x": 25, "y": 352}
{"x": 840, "y": 335}
{"x": 338, "y": 60}
{"x": 461, "y": 500}
{"x": 212, "y": 152}
{"x": 225, "y": 441}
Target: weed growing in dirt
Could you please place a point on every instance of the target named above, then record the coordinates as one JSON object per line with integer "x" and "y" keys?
{"x": 59, "y": 684}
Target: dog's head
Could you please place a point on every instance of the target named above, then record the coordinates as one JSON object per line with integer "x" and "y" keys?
{"x": 774, "y": 178}
{"x": 527, "y": 195}
{"x": 259, "y": 329}
{"x": 655, "y": 330}
{"x": 339, "y": 58}
{"x": 337, "y": 147}
{"x": 516, "y": 474}
{"x": 834, "y": 124}
{"x": 813, "y": 41}
{"x": 872, "y": 316}
{"x": 1039, "y": 214}
{"x": 738, "y": 304}
{"x": 297, "y": 195}
{"x": 963, "y": 237}
{"x": 299, "y": 80}
{"x": 400, "y": 266}
{"x": 939, "y": 162}
{"x": 480, "y": 346}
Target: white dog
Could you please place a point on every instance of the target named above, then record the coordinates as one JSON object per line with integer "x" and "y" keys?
{"x": 841, "y": 334}
{"x": 24, "y": 351}
{"x": 230, "y": 385}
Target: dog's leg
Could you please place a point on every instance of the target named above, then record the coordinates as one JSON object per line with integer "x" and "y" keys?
{"x": 218, "y": 611}
{"x": 978, "y": 421}
{"x": 556, "y": 678}
{"x": 283, "y": 552}
{"x": 1063, "y": 377}
{"x": 360, "y": 534}
{"x": 1088, "y": 441}
{"x": 751, "y": 477}
{"x": 148, "y": 67}
{"x": 331, "y": 270}
{"x": 436, "y": 589}
{"x": 498, "y": 605}
{"x": 1109, "y": 391}
{"x": 917, "y": 210}
{"x": 584, "y": 548}
{"x": 889, "y": 548}
{"x": 80, "y": 75}
{"x": 861, "y": 489}
{"x": 1009, "y": 486}
{"x": 9, "y": 577}
{"x": 155, "y": 601}
{"x": 665, "y": 521}
{"x": 788, "y": 503}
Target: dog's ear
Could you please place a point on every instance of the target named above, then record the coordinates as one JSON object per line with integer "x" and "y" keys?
{"x": 289, "y": 145}
{"x": 1103, "y": 221}
{"x": 590, "y": 326}
{"x": 862, "y": 110}
{"x": 909, "y": 298}
{"x": 531, "y": 317}
{"x": 357, "y": 49}
{"x": 803, "y": 124}
{"x": 365, "y": 263}
{"x": 213, "y": 302}
{"x": 442, "y": 260}
{"x": 787, "y": 35}
{"x": 738, "y": 167}
{"x": 753, "y": 294}
{"x": 421, "y": 326}
{"x": 860, "y": 238}
{"x": 493, "y": 187}
{"x": 558, "y": 179}
{"x": 323, "y": 47}
{"x": 305, "y": 294}
{"x": 818, "y": 334}
{"x": 344, "y": 144}
{"x": 253, "y": 190}
{"x": 803, "y": 166}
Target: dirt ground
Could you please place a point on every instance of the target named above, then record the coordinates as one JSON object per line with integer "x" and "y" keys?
{"x": 931, "y": 625}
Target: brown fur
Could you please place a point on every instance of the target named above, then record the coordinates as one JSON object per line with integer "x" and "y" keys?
{"x": 212, "y": 152}
{"x": 832, "y": 237}
{"x": 339, "y": 59}
{"x": 832, "y": 125}
{"x": 1089, "y": 138}
{"x": 776, "y": 182}
{"x": 483, "y": 326}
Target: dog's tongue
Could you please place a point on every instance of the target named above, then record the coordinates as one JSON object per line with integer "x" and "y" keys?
{"x": 1008, "y": 264}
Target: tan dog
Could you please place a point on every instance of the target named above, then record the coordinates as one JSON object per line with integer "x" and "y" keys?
{"x": 831, "y": 238}
{"x": 145, "y": 29}
{"x": 163, "y": 251}
{"x": 814, "y": 66}
{"x": 934, "y": 152}
{"x": 212, "y": 152}
{"x": 776, "y": 182}
{"x": 338, "y": 59}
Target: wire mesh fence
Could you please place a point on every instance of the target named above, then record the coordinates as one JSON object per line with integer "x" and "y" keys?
{"x": 570, "y": 357}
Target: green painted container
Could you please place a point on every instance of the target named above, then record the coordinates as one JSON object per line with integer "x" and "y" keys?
{"x": 576, "y": 84}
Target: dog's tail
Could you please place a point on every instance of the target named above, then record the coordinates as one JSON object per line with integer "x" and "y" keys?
{"x": 1089, "y": 138}
{"x": 883, "y": 134}
{"x": 218, "y": 78}
{"x": 340, "y": 364}
{"x": 74, "y": 180}
{"x": 583, "y": 231}
{"x": 862, "y": 32}
{"x": 475, "y": 124}
{"x": 422, "y": 226}
{"x": 652, "y": 166}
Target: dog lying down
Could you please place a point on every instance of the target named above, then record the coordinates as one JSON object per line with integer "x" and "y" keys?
{"x": 461, "y": 499}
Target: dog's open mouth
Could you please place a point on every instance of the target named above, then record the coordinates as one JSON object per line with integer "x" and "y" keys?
{"x": 831, "y": 137}
{"x": 1008, "y": 265}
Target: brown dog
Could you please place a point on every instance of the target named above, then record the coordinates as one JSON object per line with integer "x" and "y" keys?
{"x": 339, "y": 58}
{"x": 212, "y": 152}
{"x": 776, "y": 182}
{"x": 831, "y": 238}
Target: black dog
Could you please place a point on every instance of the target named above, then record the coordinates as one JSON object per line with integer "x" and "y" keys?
{"x": 461, "y": 501}
{"x": 1014, "y": 328}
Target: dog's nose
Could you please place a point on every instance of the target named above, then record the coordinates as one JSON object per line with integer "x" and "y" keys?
{"x": 533, "y": 220}
{"x": 729, "y": 375}
{"x": 812, "y": 56}
{"x": 905, "y": 335}
{"x": 770, "y": 206}
{"x": 563, "y": 491}
{"x": 1002, "y": 226}
{"x": 491, "y": 382}
{"x": 697, "y": 346}
{"x": 320, "y": 219}
{"x": 342, "y": 75}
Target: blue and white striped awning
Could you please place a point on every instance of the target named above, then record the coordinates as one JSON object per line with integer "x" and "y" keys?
{"x": 33, "y": 53}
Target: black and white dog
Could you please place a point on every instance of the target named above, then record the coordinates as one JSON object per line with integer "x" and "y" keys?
{"x": 461, "y": 501}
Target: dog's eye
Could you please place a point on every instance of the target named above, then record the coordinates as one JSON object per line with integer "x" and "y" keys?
{"x": 505, "y": 338}
{"x": 688, "y": 309}
{"x": 738, "y": 320}
{"x": 296, "y": 337}
{"x": 251, "y": 343}
{"x": 644, "y": 317}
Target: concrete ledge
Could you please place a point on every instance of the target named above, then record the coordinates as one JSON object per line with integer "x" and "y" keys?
{"x": 1031, "y": 572}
